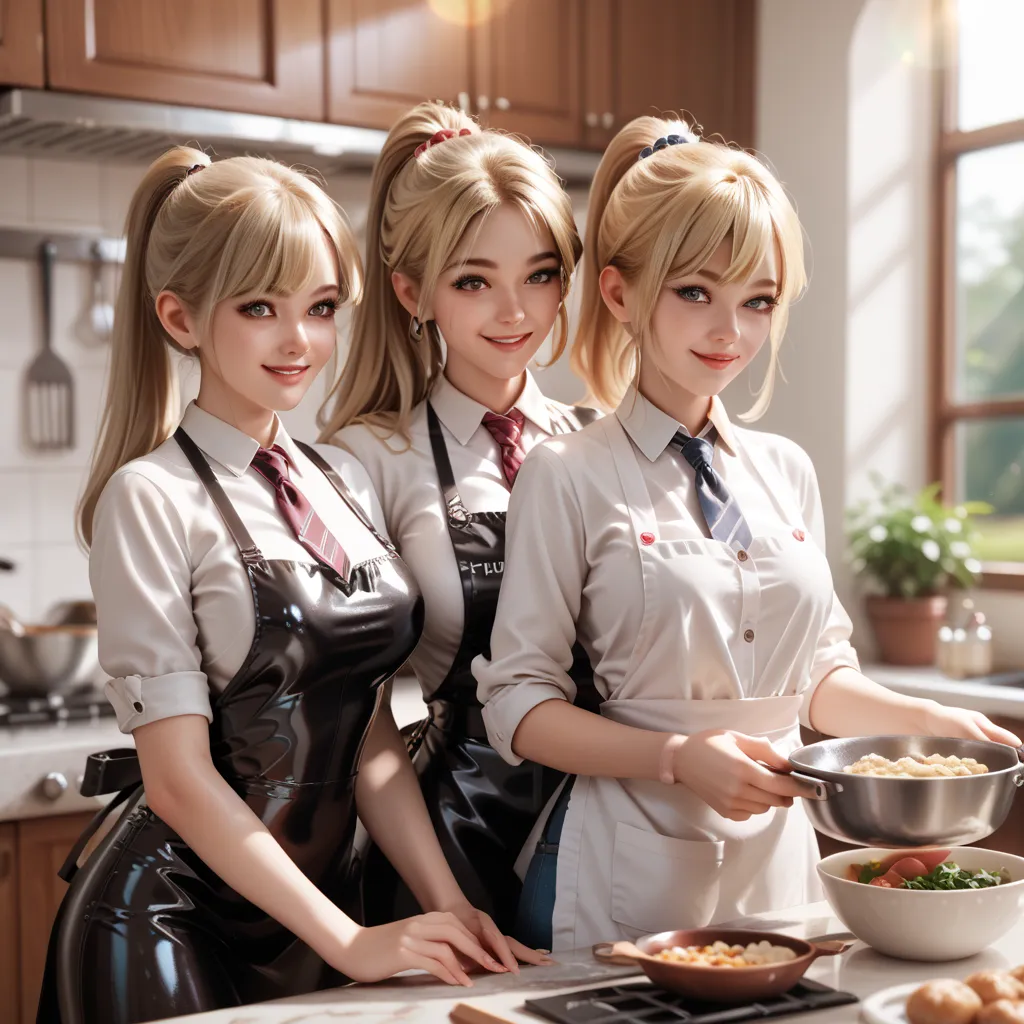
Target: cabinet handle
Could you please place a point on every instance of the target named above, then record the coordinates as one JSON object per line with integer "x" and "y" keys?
{"x": 501, "y": 103}
{"x": 463, "y": 99}
{"x": 591, "y": 119}
{"x": 607, "y": 119}
{"x": 482, "y": 103}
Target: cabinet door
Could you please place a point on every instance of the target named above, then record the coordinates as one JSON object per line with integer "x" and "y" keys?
{"x": 259, "y": 56}
{"x": 527, "y": 58}
{"x": 43, "y": 843}
{"x": 9, "y": 984}
{"x": 21, "y": 42}
{"x": 384, "y": 56}
{"x": 694, "y": 57}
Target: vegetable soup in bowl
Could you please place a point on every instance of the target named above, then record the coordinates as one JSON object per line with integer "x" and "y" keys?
{"x": 925, "y": 904}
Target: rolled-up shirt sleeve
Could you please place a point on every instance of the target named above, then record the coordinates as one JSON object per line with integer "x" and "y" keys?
{"x": 833, "y": 649}
{"x": 141, "y": 575}
{"x": 535, "y": 623}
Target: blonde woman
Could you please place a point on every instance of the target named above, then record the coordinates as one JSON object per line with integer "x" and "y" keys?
{"x": 471, "y": 246}
{"x": 249, "y": 615}
{"x": 686, "y": 554}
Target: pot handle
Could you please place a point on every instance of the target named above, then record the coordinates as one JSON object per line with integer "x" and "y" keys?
{"x": 817, "y": 789}
{"x": 832, "y": 947}
{"x": 1018, "y": 778}
{"x": 624, "y": 954}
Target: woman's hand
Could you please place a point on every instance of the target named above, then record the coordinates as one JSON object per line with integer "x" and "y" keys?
{"x": 430, "y": 942}
{"x": 939, "y": 720}
{"x": 721, "y": 767}
{"x": 504, "y": 947}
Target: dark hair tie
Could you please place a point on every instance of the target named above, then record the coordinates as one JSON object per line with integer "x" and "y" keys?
{"x": 665, "y": 142}
{"x": 194, "y": 168}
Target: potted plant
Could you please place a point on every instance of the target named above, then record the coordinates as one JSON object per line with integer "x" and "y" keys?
{"x": 912, "y": 549}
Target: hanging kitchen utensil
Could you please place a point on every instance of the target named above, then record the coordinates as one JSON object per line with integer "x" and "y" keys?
{"x": 101, "y": 312}
{"x": 50, "y": 396}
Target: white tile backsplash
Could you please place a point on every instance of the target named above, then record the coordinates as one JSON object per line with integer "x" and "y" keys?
{"x": 38, "y": 490}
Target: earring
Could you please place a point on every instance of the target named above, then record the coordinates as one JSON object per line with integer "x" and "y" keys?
{"x": 415, "y": 329}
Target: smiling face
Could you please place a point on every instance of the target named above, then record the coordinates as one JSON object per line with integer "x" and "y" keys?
{"x": 703, "y": 332}
{"x": 496, "y": 300}
{"x": 263, "y": 351}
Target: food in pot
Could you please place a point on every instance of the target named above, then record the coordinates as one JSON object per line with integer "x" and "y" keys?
{"x": 1002, "y": 1011}
{"x": 944, "y": 1001}
{"x": 721, "y": 954}
{"x": 916, "y": 766}
{"x": 994, "y": 985}
{"x": 923, "y": 870}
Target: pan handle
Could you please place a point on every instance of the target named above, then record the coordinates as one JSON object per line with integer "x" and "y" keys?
{"x": 624, "y": 954}
{"x": 817, "y": 789}
{"x": 832, "y": 947}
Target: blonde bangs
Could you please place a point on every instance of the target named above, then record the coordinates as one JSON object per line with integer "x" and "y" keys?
{"x": 287, "y": 234}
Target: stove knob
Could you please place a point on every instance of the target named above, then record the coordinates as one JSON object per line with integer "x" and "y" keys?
{"x": 54, "y": 785}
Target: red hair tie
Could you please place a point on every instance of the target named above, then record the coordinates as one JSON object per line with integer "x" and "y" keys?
{"x": 442, "y": 136}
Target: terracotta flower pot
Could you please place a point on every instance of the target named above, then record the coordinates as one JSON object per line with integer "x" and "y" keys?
{"x": 906, "y": 628}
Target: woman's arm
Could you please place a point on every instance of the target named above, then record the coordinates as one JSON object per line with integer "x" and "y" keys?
{"x": 185, "y": 790}
{"x": 391, "y": 806}
{"x": 847, "y": 703}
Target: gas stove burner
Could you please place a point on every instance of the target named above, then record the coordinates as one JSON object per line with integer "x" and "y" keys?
{"x": 77, "y": 706}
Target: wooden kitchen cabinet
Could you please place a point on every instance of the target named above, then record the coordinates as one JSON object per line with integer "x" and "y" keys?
{"x": 260, "y": 56}
{"x": 527, "y": 64}
{"x": 684, "y": 56}
{"x": 42, "y": 845}
{"x": 384, "y": 56}
{"x": 21, "y": 42}
{"x": 10, "y": 987}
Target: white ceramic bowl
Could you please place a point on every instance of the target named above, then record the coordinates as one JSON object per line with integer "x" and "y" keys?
{"x": 926, "y": 925}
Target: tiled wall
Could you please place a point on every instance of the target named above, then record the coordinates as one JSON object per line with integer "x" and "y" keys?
{"x": 38, "y": 490}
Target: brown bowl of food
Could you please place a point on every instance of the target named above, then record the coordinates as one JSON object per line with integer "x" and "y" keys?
{"x": 720, "y": 965}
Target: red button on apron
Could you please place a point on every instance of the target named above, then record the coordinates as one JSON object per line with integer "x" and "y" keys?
{"x": 799, "y": 534}
{"x": 647, "y": 538}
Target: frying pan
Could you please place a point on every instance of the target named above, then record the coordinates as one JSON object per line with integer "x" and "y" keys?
{"x": 718, "y": 984}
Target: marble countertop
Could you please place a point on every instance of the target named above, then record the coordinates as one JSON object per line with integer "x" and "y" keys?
{"x": 413, "y": 1000}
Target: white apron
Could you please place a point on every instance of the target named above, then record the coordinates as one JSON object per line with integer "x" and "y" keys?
{"x": 637, "y": 856}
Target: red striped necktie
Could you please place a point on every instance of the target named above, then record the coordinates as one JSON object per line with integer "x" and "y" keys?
{"x": 507, "y": 430}
{"x": 310, "y": 530}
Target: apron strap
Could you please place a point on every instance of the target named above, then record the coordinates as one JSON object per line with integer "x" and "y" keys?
{"x": 343, "y": 492}
{"x": 445, "y": 476}
{"x": 69, "y": 868}
{"x": 251, "y": 555}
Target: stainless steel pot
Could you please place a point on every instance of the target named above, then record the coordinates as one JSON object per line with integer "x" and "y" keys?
{"x": 47, "y": 659}
{"x": 875, "y": 811}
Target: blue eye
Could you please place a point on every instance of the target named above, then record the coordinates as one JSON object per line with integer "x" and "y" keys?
{"x": 693, "y": 293}
{"x": 258, "y": 310}
{"x": 762, "y": 304}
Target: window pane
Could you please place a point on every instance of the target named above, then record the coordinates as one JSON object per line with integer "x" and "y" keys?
{"x": 990, "y": 461}
{"x": 991, "y": 73}
{"x": 990, "y": 274}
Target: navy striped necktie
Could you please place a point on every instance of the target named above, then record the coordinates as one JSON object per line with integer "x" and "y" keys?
{"x": 721, "y": 513}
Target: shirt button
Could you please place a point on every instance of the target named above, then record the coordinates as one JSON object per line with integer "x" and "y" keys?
{"x": 138, "y": 706}
{"x": 748, "y": 635}
{"x": 742, "y": 555}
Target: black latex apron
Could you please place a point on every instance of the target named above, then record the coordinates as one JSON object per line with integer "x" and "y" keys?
{"x": 146, "y": 929}
{"x": 482, "y": 807}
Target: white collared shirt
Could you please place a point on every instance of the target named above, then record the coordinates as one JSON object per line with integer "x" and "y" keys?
{"x": 406, "y": 483}
{"x": 174, "y": 605}
{"x": 574, "y": 570}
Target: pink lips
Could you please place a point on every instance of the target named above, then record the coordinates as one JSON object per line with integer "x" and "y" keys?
{"x": 716, "y": 362}
{"x": 288, "y": 374}
{"x": 506, "y": 344}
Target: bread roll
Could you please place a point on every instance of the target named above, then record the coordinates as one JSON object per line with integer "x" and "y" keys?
{"x": 1002, "y": 1011}
{"x": 943, "y": 1002}
{"x": 995, "y": 985}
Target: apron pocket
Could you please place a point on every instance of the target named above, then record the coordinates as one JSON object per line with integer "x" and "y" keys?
{"x": 662, "y": 884}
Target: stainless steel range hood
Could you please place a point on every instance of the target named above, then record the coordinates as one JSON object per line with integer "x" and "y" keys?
{"x": 65, "y": 125}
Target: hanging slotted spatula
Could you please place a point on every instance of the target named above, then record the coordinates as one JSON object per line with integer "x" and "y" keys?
{"x": 50, "y": 396}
